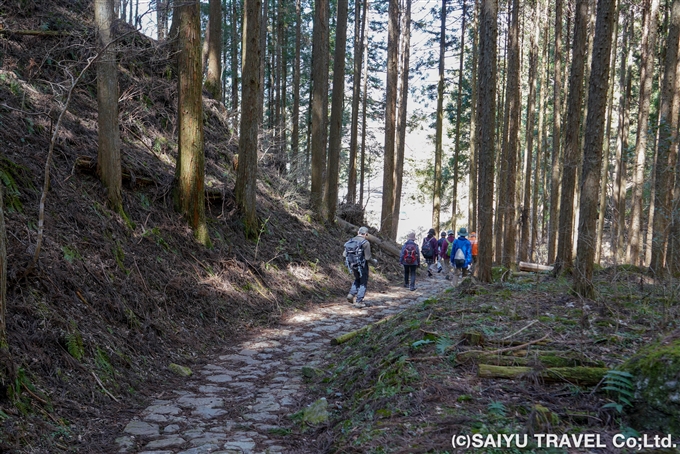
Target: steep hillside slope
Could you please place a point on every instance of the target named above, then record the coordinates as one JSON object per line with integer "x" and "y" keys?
{"x": 93, "y": 327}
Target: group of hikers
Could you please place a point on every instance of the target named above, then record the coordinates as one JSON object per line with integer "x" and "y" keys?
{"x": 455, "y": 257}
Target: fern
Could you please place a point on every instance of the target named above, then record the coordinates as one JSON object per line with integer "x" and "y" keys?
{"x": 497, "y": 408}
{"x": 443, "y": 344}
{"x": 621, "y": 385}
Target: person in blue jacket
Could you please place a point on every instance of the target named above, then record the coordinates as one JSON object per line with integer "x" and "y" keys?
{"x": 461, "y": 255}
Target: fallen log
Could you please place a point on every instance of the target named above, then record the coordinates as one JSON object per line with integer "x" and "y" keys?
{"x": 374, "y": 240}
{"x": 545, "y": 358}
{"x": 577, "y": 375}
{"x": 534, "y": 267}
{"x": 341, "y": 339}
{"x": 88, "y": 166}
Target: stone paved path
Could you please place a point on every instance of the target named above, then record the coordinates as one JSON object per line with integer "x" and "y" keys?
{"x": 236, "y": 403}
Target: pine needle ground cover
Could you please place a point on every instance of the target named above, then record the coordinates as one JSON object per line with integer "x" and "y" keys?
{"x": 523, "y": 356}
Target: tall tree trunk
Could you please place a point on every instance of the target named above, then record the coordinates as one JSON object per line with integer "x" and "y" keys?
{"x": 592, "y": 156}
{"x": 502, "y": 140}
{"x": 319, "y": 104}
{"x": 557, "y": 137}
{"x": 402, "y": 113}
{"x": 386, "y": 219}
{"x": 234, "y": 55}
{"x": 437, "y": 190}
{"x": 607, "y": 140}
{"x": 108, "y": 156}
{"x": 264, "y": 16}
{"x": 667, "y": 150}
{"x": 335, "y": 135}
{"x": 246, "y": 175}
{"x": 474, "y": 151}
{"x": 542, "y": 130}
{"x": 619, "y": 202}
{"x": 213, "y": 78}
{"x": 295, "y": 120}
{"x": 572, "y": 141}
{"x": 359, "y": 30}
{"x": 190, "y": 169}
{"x": 161, "y": 19}
{"x": 459, "y": 108}
{"x": 486, "y": 126}
{"x": 533, "y": 67}
{"x": 364, "y": 102}
{"x": 649, "y": 32}
{"x": 510, "y": 228}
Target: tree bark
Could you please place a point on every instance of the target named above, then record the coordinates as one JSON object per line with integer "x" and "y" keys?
{"x": 649, "y": 32}
{"x": 459, "y": 108}
{"x": 335, "y": 135}
{"x": 234, "y": 55}
{"x": 437, "y": 180}
{"x": 486, "y": 125}
{"x": 386, "y": 216}
{"x": 557, "y": 137}
{"x": 359, "y": 31}
{"x": 246, "y": 177}
{"x": 108, "y": 156}
{"x": 667, "y": 148}
{"x": 572, "y": 142}
{"x": 526, "y": 199}
{"x": 402, "y": 108}
{"x": 318, "y": 108}
{"x": 607, "y": 140}
{"x": 474, "y": 151}
{"x": 190, "y": 170}
{"x": 592, "y": 156}
{"x": 213, "y": 78}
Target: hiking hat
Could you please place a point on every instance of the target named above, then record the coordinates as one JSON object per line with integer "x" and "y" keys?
{"x": 363, "y": 230}
{"x": 450, "y": 232}
{"x": 443, "y": 233}
{"x": 462, "y": 232}
{"x": 431, "y": 232}
{"x": 411, "y": 236}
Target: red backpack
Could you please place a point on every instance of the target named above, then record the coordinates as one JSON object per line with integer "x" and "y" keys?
{"x": 410, "y": 254}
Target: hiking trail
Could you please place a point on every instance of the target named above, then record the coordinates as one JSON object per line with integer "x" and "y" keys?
{"x": 239, "y": 402}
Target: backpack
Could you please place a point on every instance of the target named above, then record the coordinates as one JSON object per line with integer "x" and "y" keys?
{"x": 410, "y": 254}
{"x": 449, "y": 250}
{"x": 354, "y": 254}
{"x": 426, "y": 248}
{"x": 459, "y": 258}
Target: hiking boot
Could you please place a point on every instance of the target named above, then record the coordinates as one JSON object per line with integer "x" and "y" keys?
{"x": 413, "y": 288}
{"x": 359, "y": 305}
{"x": 429, "y": 273}
{"x": 350, "y": 298}
{"x": 405, "y": 285}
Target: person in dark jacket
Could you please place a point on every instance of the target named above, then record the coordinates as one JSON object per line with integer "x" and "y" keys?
{"x": 460, "y": 261}
{"x": 446, "y": 259}
{"x": 358, "y": 288}
{"x": 431, "y": 257}
{"x": 410, "y": 259}
{"x": 441, "y": 249}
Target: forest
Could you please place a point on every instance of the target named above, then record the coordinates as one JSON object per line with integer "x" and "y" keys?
{"x": 177, "y": 174}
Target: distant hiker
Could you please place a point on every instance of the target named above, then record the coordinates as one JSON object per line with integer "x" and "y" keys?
{"x": 442, "y": 244}
{"x": 357, "y": 255}
{"x": 475, "y": 249}
{"x": 429, "y": 250}
{"x": 461, "y": 255}
{"x": 410, "y": 258}
{"x": 446, "y": 252}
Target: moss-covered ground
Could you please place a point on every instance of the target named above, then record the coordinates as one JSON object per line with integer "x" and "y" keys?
{"x": 411, "y": 383}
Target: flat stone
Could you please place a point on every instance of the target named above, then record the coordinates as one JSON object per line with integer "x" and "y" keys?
{"x": 208, "y": 412}
{"x": 222, "y": 378}
{"x": 259, "y": 416}
{"x": 125, "y": 443}
{"x": 267, "y": 405}
{"x": 165, "y": 443}
{"x": 171, "y": 429}
{"x": 200, "y": 401}
{"x": 144, "y": 429}
{"x": 203, "y": 449}
{"x": 163, "y": 410}
{"x": 243, "y": 445}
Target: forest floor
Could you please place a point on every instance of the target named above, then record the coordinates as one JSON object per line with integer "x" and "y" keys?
{"x": 112, "y": 302}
